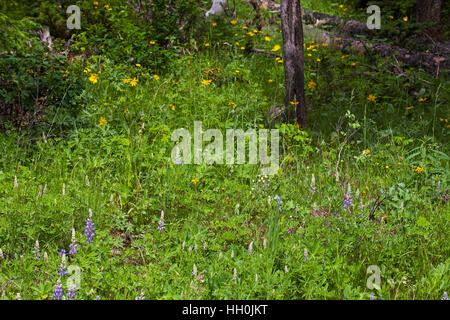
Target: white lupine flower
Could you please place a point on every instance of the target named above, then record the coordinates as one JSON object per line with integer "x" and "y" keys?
{"x": 87, "y": 181}
{"x": 265, "y": 243}
{"x": 111, "y": 199}
{"x": 194, "y": 270}
{"x": 250, "y": 248}
{"x": 44, "y": 192}
{"x": 45, "y": 257}
{"x": 220, "y": 255}
{"x": 16, "y": 184}
{"x": 1, "y": 254}
{"x": 232, "y": 253}
{"x": 183, "y": 245}
{"x": 313, "y": 181}
{"x": 64, "y": 189}
{"x": 256, "y": 277}
{"x": 235, "y": 275}
{"x": 196, "y": 247}
{"x": 269, "y": 200}
{"x": 18, "y": 296}
{"x": 286, "y": 270}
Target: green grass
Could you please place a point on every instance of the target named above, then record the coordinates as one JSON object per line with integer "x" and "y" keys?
{"x": 396, "y": 221}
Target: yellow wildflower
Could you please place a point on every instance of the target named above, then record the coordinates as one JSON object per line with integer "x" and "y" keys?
{"x": 172, "y": 107}
{"x": 102, "y": 121}
{"x": 372, "y": 98}
{"x": 276, "y": 48}
{"x": 138, "y": 65}
{"x": 206, "y": 82}
{"x": 156, "y": 77}
{"x": 93, "y": 78}
{"x": 419, "y": 169}
{"x": 195, "y": 181}
{"x": 312, "y": 85}
{"x": 231, "y": 103}
{"x": 366, "y": 152}
{"x": 267, "y": 38}
{"x": 133, "y": 82}
{"x": 233, "y": 21}
{"x": 405, "y": 19}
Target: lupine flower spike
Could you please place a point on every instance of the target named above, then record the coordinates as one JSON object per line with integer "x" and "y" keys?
{"x": 312, "y": 188}
{"x": 89, "y": 231}
{"x": 58, "y": 292}
{"x": 71, "y": 292}
{"x": 250, "y": 248}
{"x": 161, "y": 221}
{"x": 348, "y": 197}
{"x": 73, "y": 245}
{"x": 36, "y": 251}
{"x": 62, "y": 269}
{"x": 305, "y": 253}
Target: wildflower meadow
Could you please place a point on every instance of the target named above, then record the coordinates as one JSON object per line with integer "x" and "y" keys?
{"x": 111, "y": 190}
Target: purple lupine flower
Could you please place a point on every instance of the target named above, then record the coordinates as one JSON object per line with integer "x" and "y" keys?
{"x": 73, "y": 245}
{"x": 71, "y": 292}
{"x": 62, "y": 268}
{"x": 279, "y": 202}
{"x": 372, "y": 298}
{"x": 312, "y": 188}
{"x": 161, "y": 221}
{"x": 36, "y": 251}
{"x": 62, "y": 252}
{"x": 445, "y": 297}
{"x": 58, "y": 292}
{"x": 348, "y": 197}
{"x": 89, "y": 231}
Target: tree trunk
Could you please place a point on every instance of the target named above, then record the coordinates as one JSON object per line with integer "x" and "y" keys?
{"x": 428, "y": 11}
{"x": 291, "y": 24}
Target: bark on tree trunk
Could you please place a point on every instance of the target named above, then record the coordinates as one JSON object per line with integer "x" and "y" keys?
{"x": 428, "y": 11}
{"x": 291, "y": 24}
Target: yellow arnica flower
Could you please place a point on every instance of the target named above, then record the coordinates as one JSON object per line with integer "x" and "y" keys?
{"x": 195, "y": 181}
{"x": 214, "y": 24}
{"x": 419, "y": 169}
{"x": 270, "y": 80}
{"x": 242, "y": 48}
{"x": 409, "y": 108}
{"x": 95, "y": 3}
{"x": 372, "y": 98}
{"x": 231, "y": 103}
{"x": 341, "y": 6}
{"x": 156, "y": 77}
{"x": 126, "y": 80}
{"x": 86, "y": 70}
{"x": 312, "y": 84}
{"x": 366, "y": 152}
{"x": 267, "y": 39}
{"x": 133, "y": 82}
{"x": 172, "y": 107}
{"x": 233, "y": 21}
{"x": 405, "y": 19}
{"x": 276, "y": 48}
{"x": 138, "y": 65}
{"x": 93, "y": 78}
{"x": 422, "y": 99}
{"x": 206, "y": 82}
{"x": 391, "y": 17}
{"x": 318, "y": 60}
{"x": 294, "y": 102}
{"x": 206, "y": 44}
{"x": 106, "y": 6}
{"x": 102, "y": 121}
{"x": 237, "y": 71}
{"x": 152, "y": 42}
{"x": 244, "y": 27}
